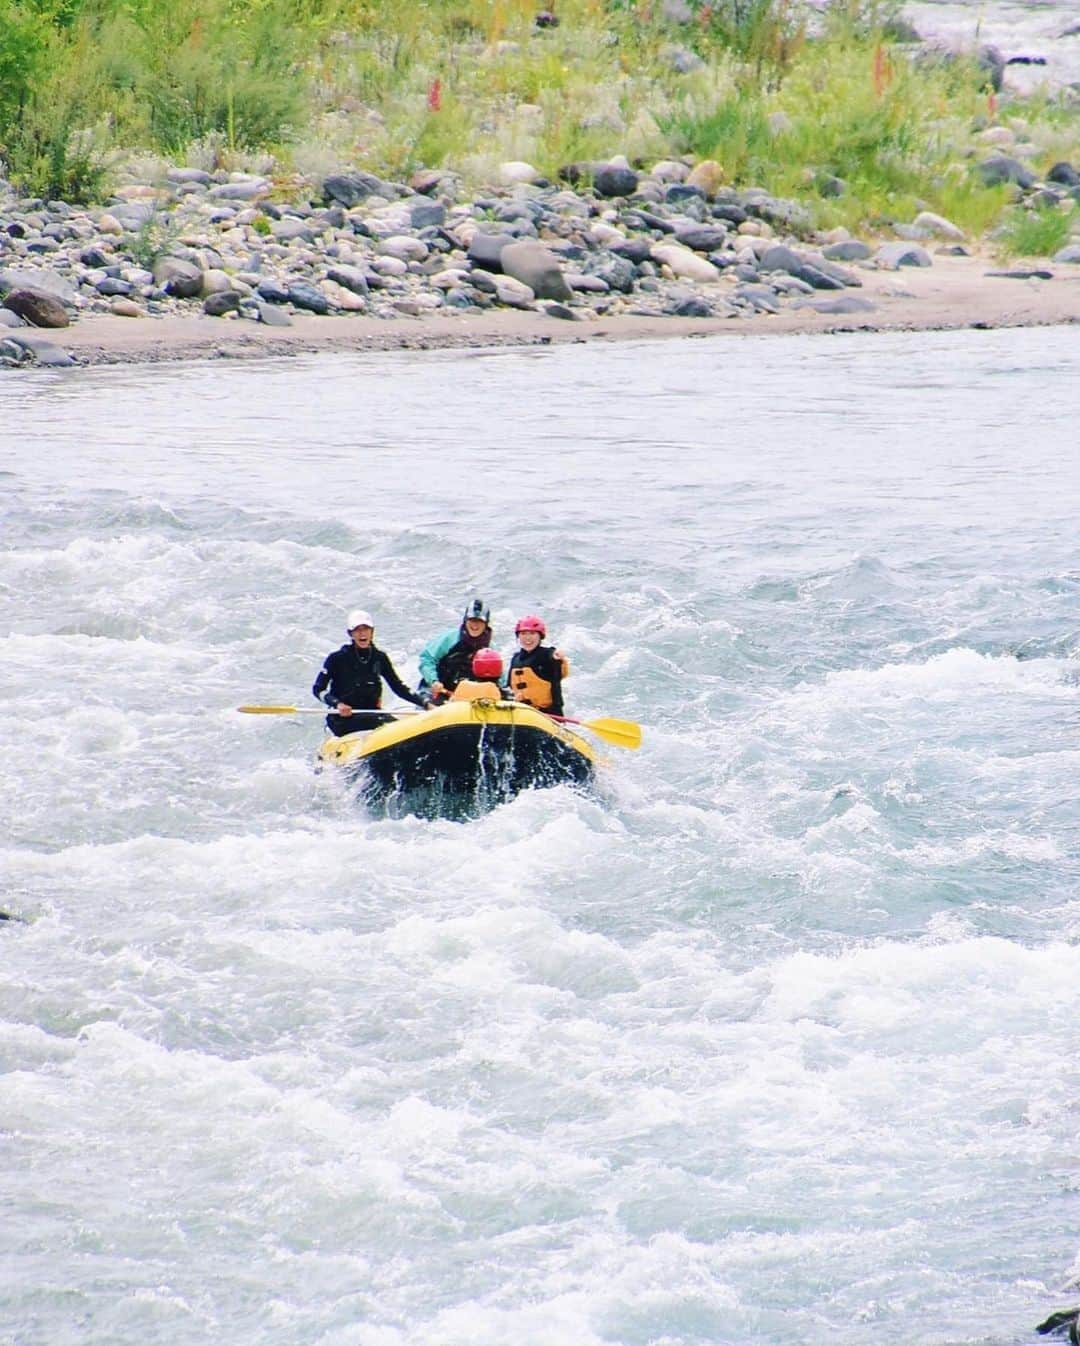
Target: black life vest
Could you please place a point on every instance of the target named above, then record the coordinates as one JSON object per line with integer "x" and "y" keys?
{"x": 456, "y": 663}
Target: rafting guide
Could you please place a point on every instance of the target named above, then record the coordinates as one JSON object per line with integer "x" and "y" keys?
{"x": 351, "y": 679}
{"x": 447, "y": 658}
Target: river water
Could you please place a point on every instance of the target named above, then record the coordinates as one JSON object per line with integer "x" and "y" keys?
{"x": 776, "y": 1044}
{"x": 1046, "y": 32}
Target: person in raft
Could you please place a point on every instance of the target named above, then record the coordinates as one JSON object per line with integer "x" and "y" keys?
{"x": 537, "y": 670}
{"x": 351, "y": 679}
{"x": 446, "y": 659}
{"x": 487, "y": 669}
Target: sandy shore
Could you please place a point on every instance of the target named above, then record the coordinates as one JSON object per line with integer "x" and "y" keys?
{"x": 955, "y": 292}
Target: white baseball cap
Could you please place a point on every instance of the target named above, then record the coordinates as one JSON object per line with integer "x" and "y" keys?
{"x": 358, "y": 617}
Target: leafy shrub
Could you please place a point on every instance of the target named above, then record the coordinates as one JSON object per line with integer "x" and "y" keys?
{"x": 1038, "y": 232}
{"x": 57, "y": 147}
{"x": 155, "y": 239}
{"x": 24, "y": 44}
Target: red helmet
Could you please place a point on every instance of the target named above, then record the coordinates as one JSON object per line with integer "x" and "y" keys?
{"x": 530, "y": 623}
{"x": 487, "y": 664}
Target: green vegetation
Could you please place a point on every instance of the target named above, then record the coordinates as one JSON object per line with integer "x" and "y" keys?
{"x": 841, "y": 118}
{"x": 1035, "y": 233}
{"x": 155, "y": 239}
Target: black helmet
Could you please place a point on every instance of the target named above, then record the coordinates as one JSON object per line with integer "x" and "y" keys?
{"x": 478, "y": 611}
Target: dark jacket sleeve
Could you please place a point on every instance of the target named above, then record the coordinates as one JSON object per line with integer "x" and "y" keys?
{"x": 390, "y": 677}
{"x": 322, "y": 682}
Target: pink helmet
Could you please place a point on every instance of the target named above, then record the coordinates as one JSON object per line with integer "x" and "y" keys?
{"x": 487, "y": 664}
{"x": 530, "y": 623}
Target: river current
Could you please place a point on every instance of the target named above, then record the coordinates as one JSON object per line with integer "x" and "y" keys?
{"x": 774, "y": 1044}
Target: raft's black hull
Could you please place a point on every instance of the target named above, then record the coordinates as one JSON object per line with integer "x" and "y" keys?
{"x": 460, "y": 761}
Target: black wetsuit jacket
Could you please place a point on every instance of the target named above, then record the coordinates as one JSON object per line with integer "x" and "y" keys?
{"x": 545, "y": 665}
{"x": 356, "y": 676}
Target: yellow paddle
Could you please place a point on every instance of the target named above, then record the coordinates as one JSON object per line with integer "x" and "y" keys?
{"x": 619, "y": 733}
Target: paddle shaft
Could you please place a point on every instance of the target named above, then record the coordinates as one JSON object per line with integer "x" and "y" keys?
{"x": 619, "y": 733}
{"x": 307, "y": 710}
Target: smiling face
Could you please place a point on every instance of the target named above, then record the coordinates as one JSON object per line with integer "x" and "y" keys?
{"x": 528, "y": 640}
{"x": 475, "y": 626}
{"x": 361, "y": 636}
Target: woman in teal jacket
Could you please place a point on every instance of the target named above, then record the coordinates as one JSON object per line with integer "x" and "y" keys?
{"x": 447, "y": 659}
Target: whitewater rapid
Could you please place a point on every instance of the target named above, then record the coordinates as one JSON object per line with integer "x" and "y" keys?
{"x": 775, "y": 1042}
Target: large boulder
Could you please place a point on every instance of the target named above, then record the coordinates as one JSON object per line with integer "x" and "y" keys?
{"x": 181, "y": 279}
{"x": 1064, "y": 173}
{"x": 702, "y": 237}
{"x": 513, "y": 293}
{"x": 485, "y": 251}
{"x": 196, "y": 175}
{"x": 290, "y": 227}
{"x": 892, "y": 256}
{"x": 635, "y": 250}
{"x": 272, "y": 291}
{"x": 302, "y": 294}
{"x": 37, "y": 308}
{"x": 516, "y": 170}
{"x": 938, "y": 226}
{"x": 617, "y": 271}
{"x": 537, "y": 267}
{"x": 351, "y": 277}
{"x": 405, "y": 247}
{"x": 847, "y": 250}
{"x": 685, "y": 264}
{"x": 1001, "y": 168}
{"x": 248, "y": 189}
{"x": 219, "y": 303}
{"x": 42, "y": 350}
{"x": 815, "y": 270}
{"x": 615, "y": 180}
{"x": 273, "y": 317}
{"x": 427, "y": 214}
{"x": 349, "y": 189}
{"x": 50, "y": 282}
{"x": 708, "y": 175}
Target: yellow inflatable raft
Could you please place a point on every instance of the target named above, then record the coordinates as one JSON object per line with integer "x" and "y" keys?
{"x": 461, "y": 757}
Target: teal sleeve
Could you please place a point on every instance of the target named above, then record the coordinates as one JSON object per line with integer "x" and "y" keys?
{"x": 432, "y": 652}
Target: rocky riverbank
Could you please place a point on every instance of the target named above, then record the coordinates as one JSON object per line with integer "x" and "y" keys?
{"x": 201, "y": 263}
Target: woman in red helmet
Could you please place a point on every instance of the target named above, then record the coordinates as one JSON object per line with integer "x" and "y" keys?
{"x": 487, "y": 668}
{"x": 536, "y": 670}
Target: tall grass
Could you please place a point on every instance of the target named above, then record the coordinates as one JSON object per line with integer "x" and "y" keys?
{"x": 321, "y": 83}
{"x": 1035, "y": 233}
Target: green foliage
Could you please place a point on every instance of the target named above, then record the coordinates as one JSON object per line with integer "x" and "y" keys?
{"x": 154, "y": 240}
{"x": 767, "y": 33}
{"x": 735, "y": 131}
{"x": 24, "y": 44}
{"x": 56, "y": 146}
{"x": 50, "y": 156}
{"x": 774, "y": 107}
{"x": 1035, "y": 233}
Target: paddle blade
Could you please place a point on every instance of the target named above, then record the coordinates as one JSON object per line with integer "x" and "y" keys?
{"x": 619, "y": 733}
{"x": 270, "y": 710}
